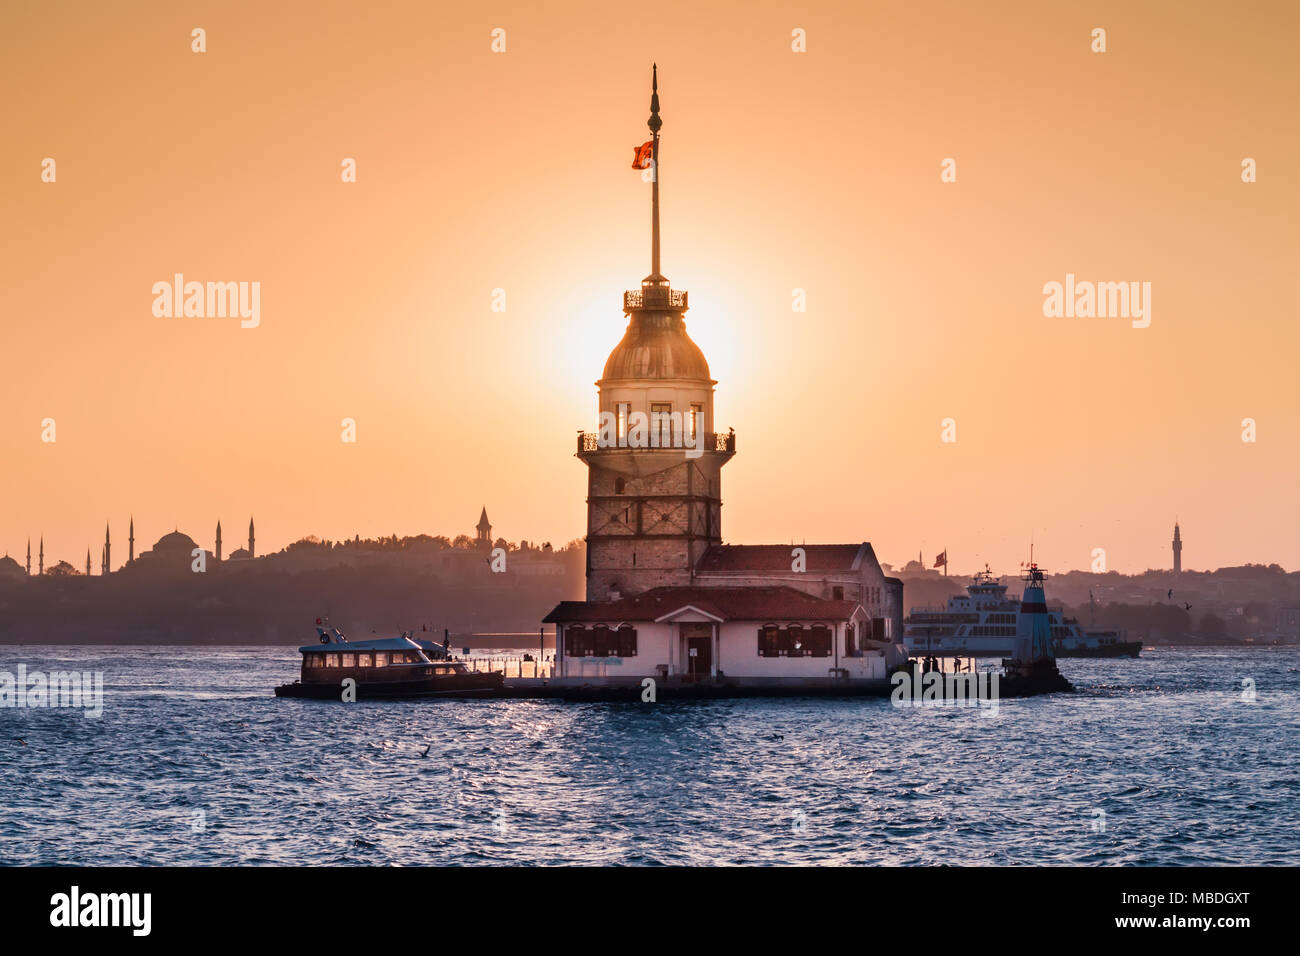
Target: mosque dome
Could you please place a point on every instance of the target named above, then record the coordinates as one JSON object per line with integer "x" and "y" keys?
{"x": 9, "y": 568}
{"x": 656, "y": 346}
{"x": 175, "y": 542}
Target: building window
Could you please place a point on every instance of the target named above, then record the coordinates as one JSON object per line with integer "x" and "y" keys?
{"x": 837, "y": 593}
{"x": 794, "y": 640}
{"x": 619, "y": 485}
{"x": 697, "y": 421}
{"x": 661, "y": 425}
{"x": 850, "y": 646}
{"x": 600, "y": 641}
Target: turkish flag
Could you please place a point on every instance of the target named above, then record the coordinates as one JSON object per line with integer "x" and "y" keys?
{"x": 643, "y": 154}
{"x": 941, "y": 561}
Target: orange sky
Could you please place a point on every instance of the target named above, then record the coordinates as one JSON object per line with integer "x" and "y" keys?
{"x": 817, "y": 171}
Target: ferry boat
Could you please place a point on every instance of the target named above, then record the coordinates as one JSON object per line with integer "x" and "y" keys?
{"x": 387, "y": 667}
{"x": 983, "y": 623}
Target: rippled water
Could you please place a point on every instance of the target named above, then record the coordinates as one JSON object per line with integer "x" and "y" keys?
{"x": 1183, "y": 767}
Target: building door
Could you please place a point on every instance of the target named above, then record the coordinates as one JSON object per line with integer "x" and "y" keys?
{"x": 697, "y": 651}
{"x": 699, "y": 660}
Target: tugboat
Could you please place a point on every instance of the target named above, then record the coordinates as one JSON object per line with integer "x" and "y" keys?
{"x": 388, "y": 667}
{"x": 1032, "y": 667}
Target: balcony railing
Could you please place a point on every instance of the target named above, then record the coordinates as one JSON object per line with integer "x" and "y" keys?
{"x": 654, "y": 298}
{"x": 710, "y": 441}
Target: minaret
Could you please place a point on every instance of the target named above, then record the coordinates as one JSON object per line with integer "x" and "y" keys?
{"x": 130, "y": 542}
{"x": 483, "y": 530}
{"x": 218, "y": 539}
{"x": 40, "y": 569}
{"x": 29, "y": 557}
{"x": 251, "y": 552}
{"x": 1178, "y": 550}
{"x": 654, "y": 498}
{"x": 87, "y": 562}
{"x": 108, "y": 552}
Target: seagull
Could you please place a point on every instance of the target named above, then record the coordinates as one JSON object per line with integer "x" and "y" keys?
{"x": 1170, "y": 594}
{"x": 1187, "y": 607}
{"x": 426, "y": 750}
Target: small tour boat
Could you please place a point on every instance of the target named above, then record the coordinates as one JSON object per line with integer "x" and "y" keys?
{"x": 387, "y": 667}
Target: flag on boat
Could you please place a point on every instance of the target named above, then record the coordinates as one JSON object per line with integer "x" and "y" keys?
{"x": 643, "y": 154}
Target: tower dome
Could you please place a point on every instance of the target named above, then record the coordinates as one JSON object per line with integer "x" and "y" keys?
{"x": 656, "y": 346}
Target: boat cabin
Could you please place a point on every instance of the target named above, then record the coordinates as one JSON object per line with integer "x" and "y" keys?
{"x": 375, "y": 661}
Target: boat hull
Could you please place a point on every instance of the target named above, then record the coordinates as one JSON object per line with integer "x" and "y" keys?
{"x": 447, "y": 685}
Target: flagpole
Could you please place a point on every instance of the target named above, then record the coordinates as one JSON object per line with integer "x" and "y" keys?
{"x": 655, "y": 123}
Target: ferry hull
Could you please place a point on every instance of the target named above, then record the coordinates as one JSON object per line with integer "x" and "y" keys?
{"x": 1122, "y": 649}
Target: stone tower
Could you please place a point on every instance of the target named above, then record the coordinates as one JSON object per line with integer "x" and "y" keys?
{"x": 1178, "y": 550}
{"x": 483, "y": 530}
{"x": 654, "y": 467}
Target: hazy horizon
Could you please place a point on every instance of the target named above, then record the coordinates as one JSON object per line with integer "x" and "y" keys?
{"x": 817, "y": 171}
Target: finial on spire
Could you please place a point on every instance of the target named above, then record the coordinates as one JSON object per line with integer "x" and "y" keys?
{"x": 655, "y": 123}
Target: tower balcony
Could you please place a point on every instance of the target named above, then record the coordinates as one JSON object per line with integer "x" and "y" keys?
{"x": 714, "y": 442}
{"x": 655, "y": 297}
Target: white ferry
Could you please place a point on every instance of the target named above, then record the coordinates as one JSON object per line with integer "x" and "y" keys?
{"x": 982, "y": 623}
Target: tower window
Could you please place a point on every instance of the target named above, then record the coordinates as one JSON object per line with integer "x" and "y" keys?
{"x": 623, "y": 409}
{"x": 619, "y": 485}
{"x": 697, "y": 421}
{"x": 661, "y": 425}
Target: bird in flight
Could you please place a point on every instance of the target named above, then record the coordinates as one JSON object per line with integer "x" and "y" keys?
{"x": 1170, "y": 594}
{"x": 1187, "y": 607}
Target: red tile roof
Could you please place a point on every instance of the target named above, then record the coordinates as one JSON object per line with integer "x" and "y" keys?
{"x": 730, "y": 604}
{"x": 738, "y": 558}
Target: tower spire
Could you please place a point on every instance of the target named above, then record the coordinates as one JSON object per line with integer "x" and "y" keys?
{"x": 655, "y": 123}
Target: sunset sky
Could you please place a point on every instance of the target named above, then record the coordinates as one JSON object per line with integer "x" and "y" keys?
{"x": 817, "y": 171}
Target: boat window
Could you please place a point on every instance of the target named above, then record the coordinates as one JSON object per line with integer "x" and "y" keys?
{"x": 444, "y": 670}
{"x": 331, "y": 660}
{"x": 313, "y": 660}
{"x": 381, "y": 659}
{"x": 365, "y": 660}
{"x": 398, "y": 657}
{"x": 349, "y": 660}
